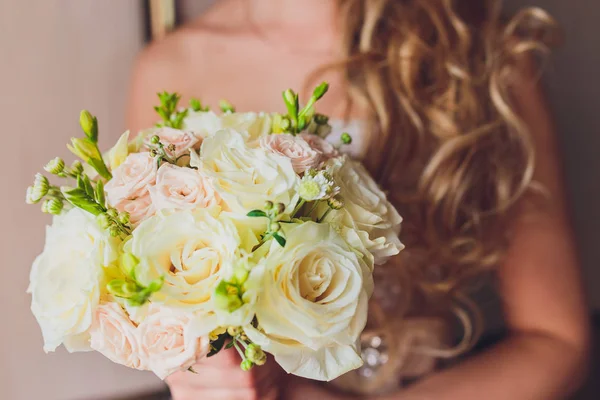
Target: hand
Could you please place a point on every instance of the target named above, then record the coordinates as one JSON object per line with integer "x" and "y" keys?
{"x": 220, "y": 377}
{"x": 302, "y": 389}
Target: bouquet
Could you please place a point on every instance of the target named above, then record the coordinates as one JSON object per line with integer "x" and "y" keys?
{"x": 207, "y": 232}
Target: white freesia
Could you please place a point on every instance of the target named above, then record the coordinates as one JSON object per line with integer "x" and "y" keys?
{"x": 207, "y": 123}
{"x": 66, "y": 280}
{"x": 313, "y": 306}
{"x": 246, "y": 177}
{"x": 367, "y": 209}
{"x": 191, "y": 249}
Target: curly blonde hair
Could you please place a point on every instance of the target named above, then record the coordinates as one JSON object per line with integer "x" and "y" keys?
{"x": 449, "y": 147}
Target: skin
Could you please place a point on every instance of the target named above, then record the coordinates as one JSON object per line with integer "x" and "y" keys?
{"x": 247, "y": 51}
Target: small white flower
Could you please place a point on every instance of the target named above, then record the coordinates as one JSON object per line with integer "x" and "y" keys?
{"x": 317, "y": 186}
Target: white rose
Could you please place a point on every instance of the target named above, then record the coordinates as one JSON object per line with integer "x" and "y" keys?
{"x": 67, "y": 278}
{"x": 302, "y": 156}
{"x": 313, "y": 306}
{"x": 181, "y": 188}
{"x": 246, "y": 177}
{"x": 251, "y": 125}
{"x": 191, "y": 249}
{"x": 169, "y": 341}
{"x": 114, "y": 335}
{"x": 367, "y": 209}
{"x": 132, "y": 178}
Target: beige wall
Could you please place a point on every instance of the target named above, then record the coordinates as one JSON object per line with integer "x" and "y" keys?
{"x": 56, "y": 57}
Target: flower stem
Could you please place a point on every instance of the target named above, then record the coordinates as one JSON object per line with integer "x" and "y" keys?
{"x": 324, "y": 215}
{"x": 263, "y": 241}
{"x": 298, "y": 207}
{"x": 237, "y": 347}
{"x": 313, "y": 208}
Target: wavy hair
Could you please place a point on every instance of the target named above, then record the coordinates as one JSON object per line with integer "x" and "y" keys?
{"x": 449, "y": 146}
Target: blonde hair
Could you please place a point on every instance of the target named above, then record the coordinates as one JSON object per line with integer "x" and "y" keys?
{"x": 449, "y": 147}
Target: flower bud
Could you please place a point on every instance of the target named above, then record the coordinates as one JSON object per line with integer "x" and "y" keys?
{"x": 124, "y": 217}
{"x": 275, "y": 227}
{"x": 320, "y": 90}
{"x": 84, "y": 149}
{"x": 55, "y": 166}
{"x": 121, "y": 288}
{"x": 77, "y": 167}
{"x": 39, "y": 189}
{"x": 128, "y": 263}
{"x": 227, "y": 297}
{"x": 29, "y": 196}
{"x": 280, "y": 208}
{"x": 155, "y": 139}
{"x": 89, "y": 125}
{"x": 214, "y": 335}
{"x": 346, "y": 138}
{"x": 112, "y": 213}
{"x": 114, "y": 231}
{"x": 226, "y": 106}
{"x": 171, "y": 147}
{"x": 52, "y": 206}
{"x": 269, "y": 205}
{"x": 285, "y": 124}
{"x": 103, "y": 220}
{"x": 246, "y": 365}
{"x": 321, "y": 119}
{"x": 240, "y": 275}
{"x": 335, "y": 203}
{"x": 255, "y": 354}
{"x": 233, "y": 331}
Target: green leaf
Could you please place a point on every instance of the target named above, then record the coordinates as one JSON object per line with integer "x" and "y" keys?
{"x": 99, "y": 193}
{"x": 100, "y": 167}
{"x": 87, "y": 185}
{"x": 280, "y": 239}
{"x": 256, "y": 213}
{"x": 79, "y": 198}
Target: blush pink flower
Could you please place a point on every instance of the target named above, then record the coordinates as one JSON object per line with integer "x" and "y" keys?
{"x": 132, "y": 178}
{"x": 114, "y": 335}
{"x": 302, "y": 156}
{"x": 320, "y": 145}
{"x": 181, "y": 188}
{"x": 167, "y": 344}
{"x": 138, "y": 208}
{"x": 182, "y": 140}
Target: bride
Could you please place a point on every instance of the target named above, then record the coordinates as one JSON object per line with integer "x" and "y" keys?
{"x": 442, "y": 101}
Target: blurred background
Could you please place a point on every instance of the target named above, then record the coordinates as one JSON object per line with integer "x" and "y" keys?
{"x": 59, "y": 56}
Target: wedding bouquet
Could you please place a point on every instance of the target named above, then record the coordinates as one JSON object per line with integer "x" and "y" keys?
{"x": 241, "y": 231}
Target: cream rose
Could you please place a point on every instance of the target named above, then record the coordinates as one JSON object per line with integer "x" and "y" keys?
{"x": 179, "y": 188}
{"x": 367, "y": 209}
{"x": 192, "y": 250}
{"x": 182, "y": 140}
{"x": 302, "y": 156}
{"x": 169, "y": 342}
{"x": 114, "y": 335}
{"x": 66, "y": 280}
{"x": 246, "y": 177}
{"x": 250, "y": 125}
{"x": 313, "y": 306}
{"x": 132, "y": 178}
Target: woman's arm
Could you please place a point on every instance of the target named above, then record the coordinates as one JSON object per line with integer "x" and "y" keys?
{"x": 545, "y": 354}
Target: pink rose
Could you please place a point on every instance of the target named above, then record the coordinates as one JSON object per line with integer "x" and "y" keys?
{"x": 320, "y": 145}
{"x": 139, "y": 208}
{"x": 132, "y": 178}
{"x": 114, "y": 335}
{"x": 295, "y": 148}
{"x": 166, "y": 342}
{"x": 182, "y": 188}
{"x": 183, "y": 141}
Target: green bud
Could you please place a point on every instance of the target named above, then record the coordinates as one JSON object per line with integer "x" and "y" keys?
{"x": 128, "y": 264}
{"x": 103, "y": 220}
{"x": 227, "y": 297}
{"x": 275, "y": 227}
{"x": 29, "y": 196}
{"x": 285, "y": 124}
{"x": 124, "y": 218}
{"x": 280, "y": 208}
{"x": 55, "y": 166}
{"x": 226, "y": 106}
{"x": 122, "y": 288}
{"x": 155, "y": 139}
{"x": 335, "y": 203}
{"x": 268, "y": 205}
{"x": 320, "y": 90}
{"x": 40, "y": 188}
{"x": 112, "y": 213}
{"x": 77, "y": 167}
{"x": 240, "y": 275}
{"x": 89, "y": 124}
{"x": 52, "y": 206}
{"x": 346, "y": 138}
{"x": 246, "y": 365}
{"x": 321, "y": 119}
{"x": 195, "y": 104}
{"x": 114, "y": 231}
{"x": 84, "y": 149}
{"x": 233, "y": 331}
{"x": 255, "y": 354}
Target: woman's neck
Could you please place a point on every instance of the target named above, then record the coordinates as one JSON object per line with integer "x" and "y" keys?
{"x": 298, "y": 14}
